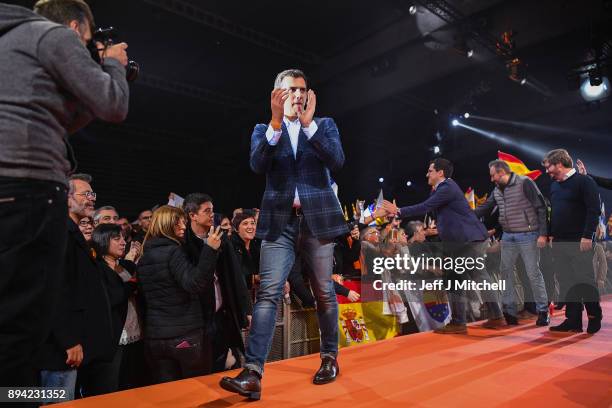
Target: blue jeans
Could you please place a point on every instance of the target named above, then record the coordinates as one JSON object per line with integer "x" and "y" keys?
{"x": 60, "y": 379}
{"x": 277, "y": 258}
{"x": 524, "y": 244}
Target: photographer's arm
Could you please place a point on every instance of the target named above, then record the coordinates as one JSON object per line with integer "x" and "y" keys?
{"x": 104, "y": 91}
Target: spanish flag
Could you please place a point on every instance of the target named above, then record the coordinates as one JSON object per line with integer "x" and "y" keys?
{"x": 469, "y": 196}
{"x": 517, "y": 166}
{"x": 363, "y": 322}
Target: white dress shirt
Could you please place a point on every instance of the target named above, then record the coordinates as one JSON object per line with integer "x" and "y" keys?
{"x": 569, "y": 174}
{"x": 293, "y": 128}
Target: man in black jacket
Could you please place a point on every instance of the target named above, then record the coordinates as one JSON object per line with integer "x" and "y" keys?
{"x": 226, "y": 305}
{"x": 575, "y": 211}
{"x": 50, "y": 88}
{"x": 81, "y": 333}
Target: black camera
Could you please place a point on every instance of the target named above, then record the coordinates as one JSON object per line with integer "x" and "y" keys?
{"x": 105, "y": 37}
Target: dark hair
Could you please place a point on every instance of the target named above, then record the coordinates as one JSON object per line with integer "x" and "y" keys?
{"x": 246, "y": 214}
{"x": 78, "y": 176}
{"x": 500, "y": 165}
{"x": 101, "y": 237}
{"x": 194, "y": 200}
{"x": 293, "y": 73}
{"x": 64, "y": 11}
{"x": 442, "y": 164}
{"x": 219, "y": 217}
{"x": 412, "y": 227}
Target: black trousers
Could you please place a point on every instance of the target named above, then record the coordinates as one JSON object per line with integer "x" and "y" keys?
{"x": 100, "y": 377}
{"x": 134, "y": 372}
{"x": 177, "y": 358}
{"x": 577, "y": 288}
{"x": 33, "y": 231}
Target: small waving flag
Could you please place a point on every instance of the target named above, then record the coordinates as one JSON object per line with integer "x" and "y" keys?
{"x": 517, "y": 165}
{"x": 469, "y": 196}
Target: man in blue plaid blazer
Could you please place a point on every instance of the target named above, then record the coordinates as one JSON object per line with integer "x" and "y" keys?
{"x": 299, "y": 212}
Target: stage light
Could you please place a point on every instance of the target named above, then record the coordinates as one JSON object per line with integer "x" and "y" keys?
{"x": 408, "y": 183}
{"x": 523, "y": 81}
{"x": 595, "y": 77}
{"x": 412, "y": 10}
{"x": 466, "y": 115}
{"x": 455, "y": 122}
{"x": 436, "y": 149}
{"x": 380, "y": 180}
{"x": 592, "y": 93}
{"x": 470, "y": 53}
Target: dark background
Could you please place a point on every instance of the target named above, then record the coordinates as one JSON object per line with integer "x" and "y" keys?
{"x": 208, "y": 68}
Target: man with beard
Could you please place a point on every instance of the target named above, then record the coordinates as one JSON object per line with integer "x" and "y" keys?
{"x": 522, "y": 215}
{"x": 575, "y": 211}
{"x": 81, "y": 330}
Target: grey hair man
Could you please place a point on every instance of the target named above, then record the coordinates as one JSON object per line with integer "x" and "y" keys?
{"x": 105, "y": 215}
{"x": 522, "y": 215}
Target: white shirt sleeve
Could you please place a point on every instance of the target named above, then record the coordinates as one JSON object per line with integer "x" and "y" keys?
{"x": 274, "y": 135}
{"x": 311, "y": 129}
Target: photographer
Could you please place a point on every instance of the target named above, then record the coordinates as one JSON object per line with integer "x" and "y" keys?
{"x": 51, "y": 87}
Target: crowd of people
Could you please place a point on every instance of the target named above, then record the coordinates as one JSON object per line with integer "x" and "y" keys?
{"x": 167, "y": 296}
{"x": 93, "y": 303}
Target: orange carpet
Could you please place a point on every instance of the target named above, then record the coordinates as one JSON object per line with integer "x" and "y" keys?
{"x": 525, "y": 366}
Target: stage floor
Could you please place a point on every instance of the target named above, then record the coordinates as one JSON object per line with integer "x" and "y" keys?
{"x": 525, "y": 366}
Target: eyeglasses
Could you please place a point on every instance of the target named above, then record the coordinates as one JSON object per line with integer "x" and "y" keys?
{"x": 90, "y": 195}
{"x": 84, "y": 223}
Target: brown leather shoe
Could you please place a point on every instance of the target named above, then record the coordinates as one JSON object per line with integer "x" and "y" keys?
{"x": 247, "y": 384}
{"x": 452, "y": 328}
{"x": 328, "y": 371}
{"x": 494, "y": 323}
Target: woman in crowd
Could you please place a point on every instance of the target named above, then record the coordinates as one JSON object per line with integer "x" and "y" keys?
{"x": 109, "y": 246}
{"x": 225, "y": 223}
{"x": 169, "y": 285}
{"x": 86, "y": 227}
{"x": 248, "y": 254}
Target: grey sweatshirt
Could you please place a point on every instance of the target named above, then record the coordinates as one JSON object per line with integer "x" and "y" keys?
{"x": 49, "y": 87}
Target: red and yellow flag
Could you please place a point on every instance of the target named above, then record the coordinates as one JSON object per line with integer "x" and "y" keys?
{"x": 469, "y": 196}
{"x": 517, "y": 165}
{"x": 363, "y": 322}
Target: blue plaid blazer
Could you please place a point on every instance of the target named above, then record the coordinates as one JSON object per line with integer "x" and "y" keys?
{"x": 309, "y": 171}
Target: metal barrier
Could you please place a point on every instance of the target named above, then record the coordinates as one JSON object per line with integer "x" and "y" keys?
{"x": 296, "y": 333}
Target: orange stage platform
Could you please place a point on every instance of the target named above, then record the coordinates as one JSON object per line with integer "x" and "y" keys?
{"x": 525, "y": 366}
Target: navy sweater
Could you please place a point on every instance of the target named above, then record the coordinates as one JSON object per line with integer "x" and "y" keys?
{"x": 575, "y": 208}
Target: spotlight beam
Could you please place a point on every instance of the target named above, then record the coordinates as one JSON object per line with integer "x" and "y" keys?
{"x": 543, "y": 128}
{"x": 529, "y": 148}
